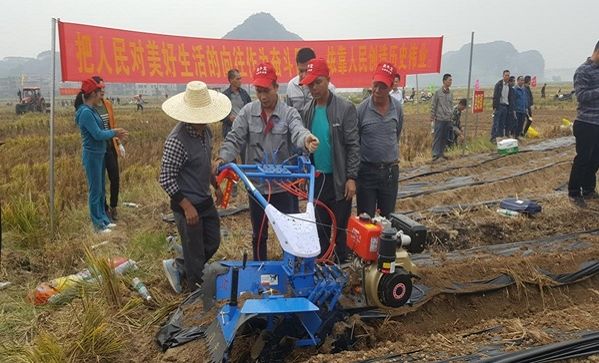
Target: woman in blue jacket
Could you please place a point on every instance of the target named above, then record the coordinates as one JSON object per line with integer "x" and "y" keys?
{"x": 94, "y": 147}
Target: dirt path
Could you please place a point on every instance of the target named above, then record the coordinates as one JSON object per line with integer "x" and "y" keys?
{"x": 509, "y": 319}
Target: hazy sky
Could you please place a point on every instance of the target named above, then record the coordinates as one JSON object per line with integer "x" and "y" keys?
{"x": 564, "y": 31}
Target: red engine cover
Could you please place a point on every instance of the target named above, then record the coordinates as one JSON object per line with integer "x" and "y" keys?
{"x": 363, "y": 238}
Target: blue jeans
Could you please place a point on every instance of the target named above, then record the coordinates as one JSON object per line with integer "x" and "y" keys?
{"x": 583, "y": 176}
{"x": 521, "y": 117}
{"x": 442, "y": 128}
{"x": 377, "y": 188}
{"x": 93, "y": 163}
{"x": 500, "y": 118}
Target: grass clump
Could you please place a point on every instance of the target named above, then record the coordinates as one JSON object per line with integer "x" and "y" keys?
{"x": 26, "y": 221}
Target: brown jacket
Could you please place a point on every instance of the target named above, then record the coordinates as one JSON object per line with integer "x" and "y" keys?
{"x": 112, "y": 124}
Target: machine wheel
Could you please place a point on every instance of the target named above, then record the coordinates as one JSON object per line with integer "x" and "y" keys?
{"x": 395, "y": 289}
{"x": 254, "y": 344}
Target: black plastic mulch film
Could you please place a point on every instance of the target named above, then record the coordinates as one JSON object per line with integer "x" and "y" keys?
{"x": 173, "y": 333}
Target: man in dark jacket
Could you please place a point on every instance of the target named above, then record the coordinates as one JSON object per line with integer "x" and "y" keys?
{"x": 531, "y": 100}
{"x": 528, "y": 120}
{"x": 238, "y": 96}
{"x": 583, "y": 177}
{"x": 333, "y": 120}
{"x": 502, "y": 93}
{"x": 511, "y": 121}
{"x": 185, "y": 175}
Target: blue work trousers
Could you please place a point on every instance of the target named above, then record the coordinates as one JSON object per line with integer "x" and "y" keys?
{"x": 93, "y": 163}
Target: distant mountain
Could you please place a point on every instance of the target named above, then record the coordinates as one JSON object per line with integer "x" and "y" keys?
{"x": 261, "y": 26}
{"x": 489, "y": 61}
{"x": 36, "y": 67}
{"x": 559, "y": 74}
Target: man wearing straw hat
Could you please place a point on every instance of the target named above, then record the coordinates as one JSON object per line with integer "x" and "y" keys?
{"x": 185, "y": 175}
{"x": 266, "y": 126}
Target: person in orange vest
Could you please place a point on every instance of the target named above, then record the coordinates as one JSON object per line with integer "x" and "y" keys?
{"x": 114, "y": 149}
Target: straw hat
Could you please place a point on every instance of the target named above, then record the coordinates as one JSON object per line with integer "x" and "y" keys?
{"x": 197, "y": 105}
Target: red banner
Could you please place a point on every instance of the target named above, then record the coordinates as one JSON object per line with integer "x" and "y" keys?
{"x": 67, "y": 91}
{"x": 136, "y": 57}
{"x": 479, "y": 102}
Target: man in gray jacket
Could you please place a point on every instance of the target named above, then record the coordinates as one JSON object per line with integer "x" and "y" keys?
{"x": 265, "y": 126}
{"x": 333, "y": 120}
{"x": 441, "y": 110}
{"x": 380, "y": 120}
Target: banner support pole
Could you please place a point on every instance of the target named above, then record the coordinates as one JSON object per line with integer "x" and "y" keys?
{"x": 417, "y": 91}
{"x": 51, "y": 151}
{"x": 468, "y": 96}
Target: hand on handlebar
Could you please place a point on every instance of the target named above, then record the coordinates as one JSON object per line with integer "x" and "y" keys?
{"x": 216, "y": 164}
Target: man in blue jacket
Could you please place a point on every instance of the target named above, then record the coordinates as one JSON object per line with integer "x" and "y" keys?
{"x": 583, "y": 177}
{"x": 521, "y": 107}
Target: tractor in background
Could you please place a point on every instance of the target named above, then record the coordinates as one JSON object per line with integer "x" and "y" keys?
{"x": 31, "y": 100}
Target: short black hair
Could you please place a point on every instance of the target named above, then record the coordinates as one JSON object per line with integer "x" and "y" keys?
{"x": 463, "y": 102}
{"x": 526, "y": 79}
{"x": 445, "y": 76}
{"x": 506, "y": 71}
{"x": 231, "y": 73}
{"x": 597, "y": 47}
{"x": 304, "y": 55}
{"x": 512, "y": 78}
{"x": 519, "y": 78}
{"x": 398, "y": 76}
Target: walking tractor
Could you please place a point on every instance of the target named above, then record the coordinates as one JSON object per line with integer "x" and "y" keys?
{"x": 295, "y": 301}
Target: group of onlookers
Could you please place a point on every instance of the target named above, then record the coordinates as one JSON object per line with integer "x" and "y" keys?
{"x": 512, "y": 106}
{"x": 355, "y": 150}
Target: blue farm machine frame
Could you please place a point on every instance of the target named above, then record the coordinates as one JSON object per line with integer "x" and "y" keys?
{"x": 294, "y": 301}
